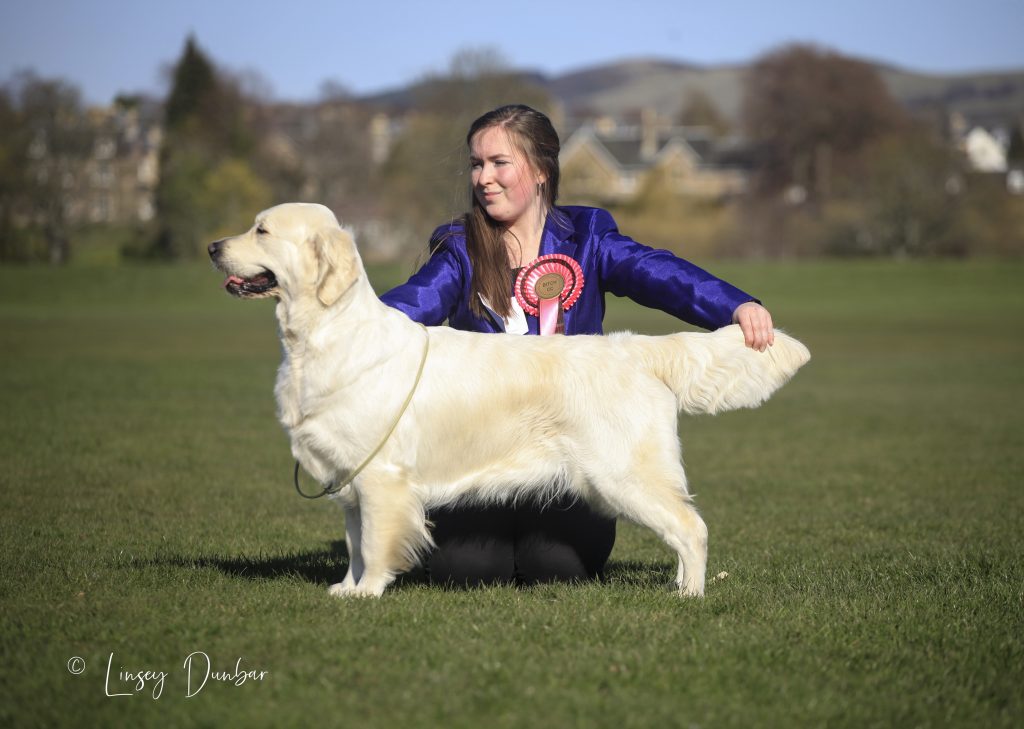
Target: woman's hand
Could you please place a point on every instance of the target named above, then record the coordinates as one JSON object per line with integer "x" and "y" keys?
{"x": 756, "y": 323}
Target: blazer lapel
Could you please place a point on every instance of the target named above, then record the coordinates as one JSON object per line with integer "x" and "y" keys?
{"x": 558, "y": 237}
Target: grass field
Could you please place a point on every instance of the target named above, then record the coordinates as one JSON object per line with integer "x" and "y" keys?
{"x": 870, "y": 518}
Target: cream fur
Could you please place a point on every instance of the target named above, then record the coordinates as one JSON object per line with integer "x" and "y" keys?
{"x": 495, "y": 417}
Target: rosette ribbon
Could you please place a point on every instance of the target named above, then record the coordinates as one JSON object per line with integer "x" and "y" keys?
{"x": 548, "y": 286}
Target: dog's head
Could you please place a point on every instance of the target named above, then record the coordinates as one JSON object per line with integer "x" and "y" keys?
{"x": 292, "y": 251}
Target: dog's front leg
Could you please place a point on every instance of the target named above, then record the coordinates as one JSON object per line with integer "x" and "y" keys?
{"x": 353, "y": 540}
{"x": 393, "y": 532}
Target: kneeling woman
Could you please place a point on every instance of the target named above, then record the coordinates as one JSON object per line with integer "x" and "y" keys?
{"x": 468, "y": 282}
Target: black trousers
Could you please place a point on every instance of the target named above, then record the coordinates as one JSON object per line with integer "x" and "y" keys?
{"x": 527, "y": 544}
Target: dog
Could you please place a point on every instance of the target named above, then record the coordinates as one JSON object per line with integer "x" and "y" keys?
{"x": 477, "y": 417}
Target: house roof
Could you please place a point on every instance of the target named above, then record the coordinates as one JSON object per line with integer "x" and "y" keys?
{"x": 626, "y": 147}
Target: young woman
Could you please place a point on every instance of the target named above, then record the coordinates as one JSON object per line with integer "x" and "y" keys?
{"x": 468, "y": 282}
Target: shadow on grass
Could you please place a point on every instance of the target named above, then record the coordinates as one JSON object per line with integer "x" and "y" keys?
{"x": 641, "y": 575}
{"x": 319, "y": 567}
{"x": 327, "y": 566}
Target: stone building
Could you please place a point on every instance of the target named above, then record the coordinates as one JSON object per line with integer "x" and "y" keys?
{"x": 605, "y": 162}
{"x": 114, "y": 179}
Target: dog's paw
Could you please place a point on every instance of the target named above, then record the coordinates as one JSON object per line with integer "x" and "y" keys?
{"x": 344, "y": 589}
{"x": 691, "y": 589}
{"x": 341, "y": 589}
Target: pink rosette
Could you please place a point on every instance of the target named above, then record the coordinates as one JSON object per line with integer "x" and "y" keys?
{"x": 548, "y": 285}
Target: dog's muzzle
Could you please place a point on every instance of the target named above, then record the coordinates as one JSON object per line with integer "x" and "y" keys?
{"x": 259, "y": 285}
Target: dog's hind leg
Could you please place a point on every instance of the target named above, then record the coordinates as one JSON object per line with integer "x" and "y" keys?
{"x": 667, "y": 511}
{"x": 654, "y": 495}
{"x": 393, "y": 533}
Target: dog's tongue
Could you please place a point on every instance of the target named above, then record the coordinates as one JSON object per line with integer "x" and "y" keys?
{"x": 233, "y": 280}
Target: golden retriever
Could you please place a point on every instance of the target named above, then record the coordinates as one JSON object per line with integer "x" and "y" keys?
{"x": 492, "y": 418}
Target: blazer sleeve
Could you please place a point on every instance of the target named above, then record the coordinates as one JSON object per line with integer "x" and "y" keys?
{"x": 661, "y": 280}
{"x": 431, "y": 296}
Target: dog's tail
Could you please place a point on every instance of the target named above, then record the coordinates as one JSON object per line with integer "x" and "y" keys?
{"x": 715, "y": 371}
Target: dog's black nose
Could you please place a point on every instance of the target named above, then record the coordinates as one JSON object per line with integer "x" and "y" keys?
{"x": 214, "y": 248}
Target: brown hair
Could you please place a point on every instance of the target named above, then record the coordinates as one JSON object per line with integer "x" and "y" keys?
{"x": 533, "y": 134}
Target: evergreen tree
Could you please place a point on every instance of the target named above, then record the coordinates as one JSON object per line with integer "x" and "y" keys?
{"x": 206, "y": 139}
{"x": 194, "y": 82}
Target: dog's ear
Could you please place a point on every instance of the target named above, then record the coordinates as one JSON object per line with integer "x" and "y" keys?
{"x": 337, "y": 268}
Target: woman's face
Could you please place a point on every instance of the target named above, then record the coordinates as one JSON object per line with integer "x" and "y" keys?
{"x": 504, "y": 182}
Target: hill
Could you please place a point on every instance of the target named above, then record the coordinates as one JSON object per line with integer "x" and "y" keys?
{"x": 622, "y": 87}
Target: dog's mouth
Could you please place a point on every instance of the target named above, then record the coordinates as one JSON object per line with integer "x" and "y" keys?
{"x": 262, "y": 284}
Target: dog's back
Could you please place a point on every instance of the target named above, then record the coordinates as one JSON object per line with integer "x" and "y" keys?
{"x": 577, "y": 404}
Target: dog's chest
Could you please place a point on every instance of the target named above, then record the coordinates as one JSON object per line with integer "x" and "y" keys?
{"x": 302, "y": 393}
{"x": 317, "y": 435}
{"x": 288, "y": 393}
{"x": 301, "y": 429}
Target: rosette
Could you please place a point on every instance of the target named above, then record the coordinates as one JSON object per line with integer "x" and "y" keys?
{"x": 547, "y": 286}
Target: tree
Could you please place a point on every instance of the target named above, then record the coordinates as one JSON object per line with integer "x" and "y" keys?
{"x": 206, "y": 129}
{"x": 333, "y": 154}
{"x": 46, "y": 137}
{"x": 700, "y": 111}
{"x": 812, "y": 112}
{"x": 194, "y": 85}
{"x": 908, "y": 207}
{"x": 1015, "y": 148}
{"x": 11, "y": 175}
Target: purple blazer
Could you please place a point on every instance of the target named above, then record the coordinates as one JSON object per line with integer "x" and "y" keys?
{"x": 612, "y": 263}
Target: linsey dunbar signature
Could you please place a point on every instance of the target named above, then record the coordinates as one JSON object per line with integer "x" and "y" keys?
{"x": 198, "y": 672}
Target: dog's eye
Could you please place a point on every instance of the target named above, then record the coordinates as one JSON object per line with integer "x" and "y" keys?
{"x": 261, "y": 230}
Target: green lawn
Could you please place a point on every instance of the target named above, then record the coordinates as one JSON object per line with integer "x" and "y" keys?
{"x": 870, "y": 518}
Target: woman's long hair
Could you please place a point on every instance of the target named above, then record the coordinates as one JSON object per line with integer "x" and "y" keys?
{"x": 532, "y": 133}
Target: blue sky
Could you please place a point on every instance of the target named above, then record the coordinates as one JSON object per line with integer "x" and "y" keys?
{"x": 110, "y": 46}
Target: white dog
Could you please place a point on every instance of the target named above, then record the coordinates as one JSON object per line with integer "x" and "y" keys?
{"x": 491, "y": 417}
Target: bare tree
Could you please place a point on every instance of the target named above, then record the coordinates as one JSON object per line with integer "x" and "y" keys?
{"x": 812, "y": 112}
{"x": 46, "y": 137}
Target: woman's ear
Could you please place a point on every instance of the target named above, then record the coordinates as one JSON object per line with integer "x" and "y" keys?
{"x": 337, "y": 265}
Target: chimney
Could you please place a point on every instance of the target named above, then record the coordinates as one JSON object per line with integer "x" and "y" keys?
{"x": 648, "y": 134}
